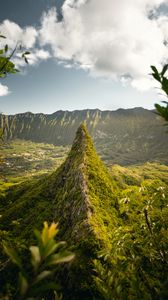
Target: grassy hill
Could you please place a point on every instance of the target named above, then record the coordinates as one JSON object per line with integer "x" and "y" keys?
{"x": 80, "y": 197}
{"x": 115, "y": 222}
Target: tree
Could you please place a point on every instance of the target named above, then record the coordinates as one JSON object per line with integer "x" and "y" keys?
{"x": 163, "y": 80}
{"x": 7, "y": 66}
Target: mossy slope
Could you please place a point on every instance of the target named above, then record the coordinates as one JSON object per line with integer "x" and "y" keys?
{"x": 80, "y": 196}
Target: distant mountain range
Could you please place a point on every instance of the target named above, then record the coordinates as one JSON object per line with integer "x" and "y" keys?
{"x": 125, "y": 136}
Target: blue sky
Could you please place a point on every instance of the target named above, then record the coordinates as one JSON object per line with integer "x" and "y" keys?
{"x": 85, "y": 58}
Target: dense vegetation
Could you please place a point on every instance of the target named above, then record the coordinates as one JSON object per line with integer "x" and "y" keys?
{"x": 123, "y": 137}
{"x": 35, "y": 279}
{"x": 115, "y": 222}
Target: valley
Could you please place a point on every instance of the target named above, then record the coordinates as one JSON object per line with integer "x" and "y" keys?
{"x": 124, "y": 136}
{"x": 21, "y": 160}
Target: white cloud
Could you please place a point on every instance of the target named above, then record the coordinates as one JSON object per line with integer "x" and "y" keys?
{"x": 27, "y": 37}
{"x": 4, "y": 90}
{"x": 36, "y": 55}
{"x": 15, "y": 34}
{"x": 42, "y": 54}
{"x": 109, "y": 38}
{"x": 112, "y": 39}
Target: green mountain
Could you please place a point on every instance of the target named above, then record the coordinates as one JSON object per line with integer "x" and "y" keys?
{"x": 123, "y": 137}
{"x": 116, "y": 224}
{"x": 81, "y": 197}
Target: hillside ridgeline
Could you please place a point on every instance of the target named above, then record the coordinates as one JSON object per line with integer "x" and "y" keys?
{"x": 116, "y": 224}
{"x": 125, "y": 136}
{"x": 79, "y": 196}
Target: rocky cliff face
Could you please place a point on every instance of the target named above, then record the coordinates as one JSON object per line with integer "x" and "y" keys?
{"x": 124, "y": 136}
{"x": 81, "y": 197}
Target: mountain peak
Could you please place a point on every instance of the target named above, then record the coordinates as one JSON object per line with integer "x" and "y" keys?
{"x": 87, "y": 174}
{"x": 82, "y": 134}
{"x": 80, "y": 196}
{"x": 82, "y": 140}
{"x": 86, "y": 205}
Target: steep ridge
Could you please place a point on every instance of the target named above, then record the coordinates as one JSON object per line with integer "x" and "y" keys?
{"x": 81, "y": 197}
{"x": 125, "y": 136}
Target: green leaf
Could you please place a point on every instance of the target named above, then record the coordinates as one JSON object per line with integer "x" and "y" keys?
{"x": 23, "y": 284}
{"x": 43, "y": 275}
{"x": 58, "y": 258}
{"x": 24, "y": 56}
{"x": 2, "y": 36}
{"x": 165, "y": 85}
{"x": 26, "y": 61}
{"x": 12, "y": 254}
{"x": 156, "y": 76}
{"x": 36, "y": 257}
{"x": 154, "y": 69}
{"x": 162, "y": 111}
{"x": 52, "y": 246}
{"x": 165, "y": 68}
{"x": 38, "y": 237}
{"x": 6, "y": 48}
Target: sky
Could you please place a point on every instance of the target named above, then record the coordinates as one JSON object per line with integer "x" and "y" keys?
{"x": 83, "y": 54}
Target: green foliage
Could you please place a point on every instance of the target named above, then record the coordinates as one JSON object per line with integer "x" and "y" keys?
{"x": 6, "y": 65}
{"x": 115, "y": 223}
{"x": 44, "y": 257}
{"x": 163, "y": 80}
{"x": 80, "y": 195}
{"x": 162, "y": 110}
{"x": 135, "y": 175}
{"x": 136, "y": 267}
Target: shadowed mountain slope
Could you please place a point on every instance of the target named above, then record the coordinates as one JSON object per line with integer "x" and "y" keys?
{"x": 81, "y": 197}
{"x": 125, "y": 136}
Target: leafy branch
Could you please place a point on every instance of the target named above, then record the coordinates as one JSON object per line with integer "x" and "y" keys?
{"x": 6, "y": 64}
{"x": 163, "y": 80}
{"x": 44, "y": 257}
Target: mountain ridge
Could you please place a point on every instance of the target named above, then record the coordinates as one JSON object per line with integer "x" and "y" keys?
{"x": 124, "y": 136}
{"x": 80, "y": 197}
{"x": 104, "y": 218}
{"x": 80, "y": 110}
